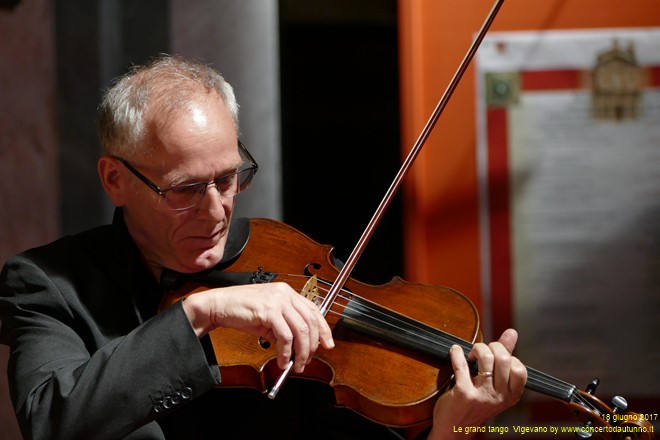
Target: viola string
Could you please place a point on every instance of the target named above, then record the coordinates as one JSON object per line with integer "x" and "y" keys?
{"x": 548, "y": 382}
{"x": 444, "y": 342}
{"x": 438, "y": 340}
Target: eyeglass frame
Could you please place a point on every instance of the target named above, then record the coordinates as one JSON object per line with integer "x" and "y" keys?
{"x": 161, "y": 192}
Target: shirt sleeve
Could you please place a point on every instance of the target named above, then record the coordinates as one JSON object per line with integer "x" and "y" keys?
{"x": 65, "y": 384}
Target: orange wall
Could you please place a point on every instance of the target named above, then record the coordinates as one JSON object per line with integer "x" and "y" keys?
{"x": 442, "y": 232}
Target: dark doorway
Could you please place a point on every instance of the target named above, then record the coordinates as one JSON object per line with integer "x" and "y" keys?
{"x": 340, "y": 126}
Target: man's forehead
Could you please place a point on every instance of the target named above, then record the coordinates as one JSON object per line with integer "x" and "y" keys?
{"x": 206, "y": 166}
{"x": 194, "y": 123}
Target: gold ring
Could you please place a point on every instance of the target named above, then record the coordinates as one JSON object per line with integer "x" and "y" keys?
{"x": 485, "y": 373}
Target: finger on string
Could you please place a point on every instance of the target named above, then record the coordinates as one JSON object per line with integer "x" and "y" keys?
{"x": 484, "y": 357}
{"x": 518, "y": 377}
{"x": 502, "y": 364}
{"x": 459, "y": 364}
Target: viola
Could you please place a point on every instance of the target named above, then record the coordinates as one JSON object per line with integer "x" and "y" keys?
{"x": 391, "y": 356}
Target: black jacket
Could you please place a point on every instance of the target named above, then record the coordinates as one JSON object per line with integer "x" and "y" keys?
{"x": 91, "y": 359}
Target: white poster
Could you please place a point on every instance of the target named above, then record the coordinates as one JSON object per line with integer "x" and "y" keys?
{"x": 569, "y": 158}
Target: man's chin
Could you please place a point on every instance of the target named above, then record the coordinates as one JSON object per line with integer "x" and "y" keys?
{"x": 198, "y": 263}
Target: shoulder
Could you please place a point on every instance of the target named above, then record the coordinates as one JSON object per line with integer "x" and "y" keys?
{"x": 76, "y": 279}
{"x": 84, "y": 244}
{"x": 67, "y": 259}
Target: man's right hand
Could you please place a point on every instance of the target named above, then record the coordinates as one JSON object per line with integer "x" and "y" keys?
{"x": 273, "y": 311}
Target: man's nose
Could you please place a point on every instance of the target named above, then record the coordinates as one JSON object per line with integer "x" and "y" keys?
{"x": 214, "y": 200}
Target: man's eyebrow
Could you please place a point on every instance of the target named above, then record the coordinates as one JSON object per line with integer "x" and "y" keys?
{"x": 181, "y": 179}
{"x": 238, "y": 164}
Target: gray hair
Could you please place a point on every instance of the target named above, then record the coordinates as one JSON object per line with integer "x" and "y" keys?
{"x": 168, "y": 82}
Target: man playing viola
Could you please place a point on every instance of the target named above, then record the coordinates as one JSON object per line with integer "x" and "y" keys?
{"x": 90, "y": 355}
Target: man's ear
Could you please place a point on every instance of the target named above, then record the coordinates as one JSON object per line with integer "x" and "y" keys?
{"x": 113, "y": 179}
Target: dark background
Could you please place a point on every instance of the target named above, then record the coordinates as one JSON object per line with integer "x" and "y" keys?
{"x": 340, "y": 127}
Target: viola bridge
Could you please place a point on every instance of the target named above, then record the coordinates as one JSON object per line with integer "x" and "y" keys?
{"x": 311, "y": 290}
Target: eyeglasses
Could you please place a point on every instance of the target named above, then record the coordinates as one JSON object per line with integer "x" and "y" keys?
{"x": 186, "y": 196}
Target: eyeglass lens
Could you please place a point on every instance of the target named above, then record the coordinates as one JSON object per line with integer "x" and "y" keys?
{"x": 186, "y": 196}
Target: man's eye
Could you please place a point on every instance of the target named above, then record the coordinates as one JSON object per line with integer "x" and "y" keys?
{"x": 226, "y": 182}
{"x": 185, "y": 190}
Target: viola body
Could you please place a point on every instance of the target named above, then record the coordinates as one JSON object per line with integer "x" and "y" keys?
{"x": 372, "y": 369}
